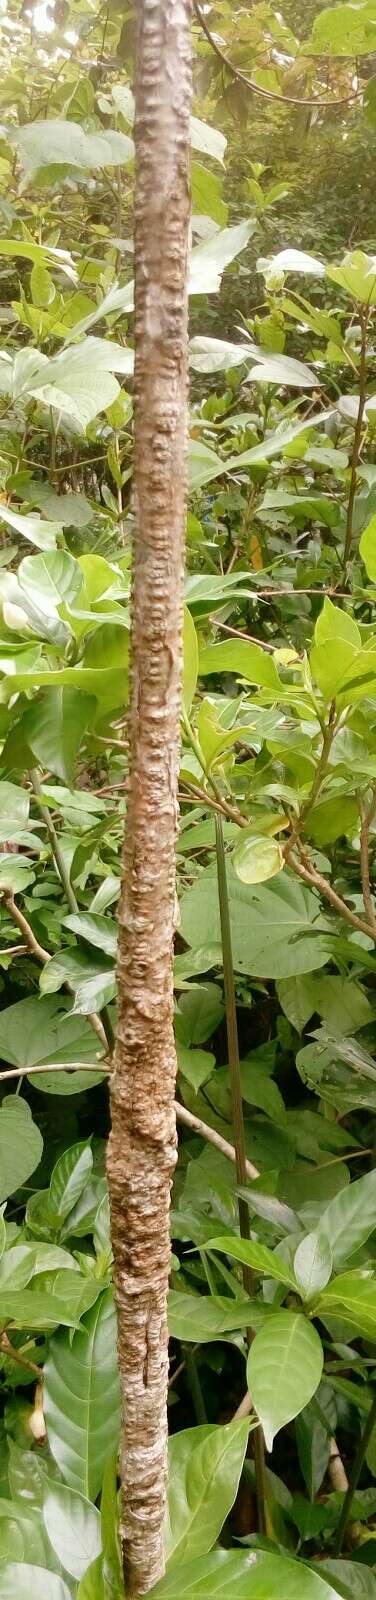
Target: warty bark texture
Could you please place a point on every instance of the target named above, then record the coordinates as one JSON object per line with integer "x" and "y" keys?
{"x": 142, "y": 1147}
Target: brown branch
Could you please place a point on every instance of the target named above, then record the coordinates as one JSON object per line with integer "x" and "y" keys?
{"x": 196, "y": 1125}
{"x": 267, "y": 94}
{"x": 8, "y": 1349}
{"x": 42, "y": 955}
{"x": 316, "y": 881}
{"x": 17, "y": 916}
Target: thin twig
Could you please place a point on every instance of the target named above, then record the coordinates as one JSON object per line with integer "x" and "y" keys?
{"x": 43, "y": 955}
{"x": 8, "y": 1349}
{"x": 196, "y": 1125}
{"x": 316, "y": 881}
{"x": 267, "y": 94}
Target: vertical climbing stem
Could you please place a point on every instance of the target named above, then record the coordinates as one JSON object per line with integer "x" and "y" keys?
{"x": 142, "y": 1147}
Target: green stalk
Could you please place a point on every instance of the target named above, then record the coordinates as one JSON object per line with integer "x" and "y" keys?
{"x": 354, "y": 1478}
{"x": 238, "y": 1122}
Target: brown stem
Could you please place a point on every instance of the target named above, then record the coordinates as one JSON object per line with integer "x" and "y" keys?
{"x": 316, "y": 880}
{"x": 196, "y": 1125}
{"x": 9, "y": 1349}
{"x": 367, "y": 816}
{"x": 357, "y": 437}
{"x": 142, "y": 1147}
{"x": 267, "y": 94}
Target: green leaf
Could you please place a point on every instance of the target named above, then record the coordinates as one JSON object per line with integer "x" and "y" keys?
{"x": 21, "y": 1144}
{"x": 340, "y": 1001}
{"x": 199, "y": 1319}
{"x": 190, "y": 659}
{"x": 209, "y": 140}
{"x": 41, "y": 285}
{"x": 97, "y": 930}
{"x": 204, "y": 1470}
{"x": 257, "y": 858}
{"x": 353, "y": 1299}
{"x": 257, "y": 1256}
{"x": 73, "y": 1527}
{"x": 82, "y": 1398}
{"x": 244, "y": 1574}
{"x": 70, "y": 1174}
{"x": 58, "y": 143}
{"x": 248, "y": 660}
{"x": 35, "y": 1031}
{"x": 345, "y": 30}
{"x": 350, "y": 1218}
{"x": 195, "y": 1065}
{"x": 208, "y": 260}
{"x": 283, "y": 1370}
{"x": 17, "y": 1581}
{"x": 206, "y": 189}
{"x": 351, "y": 1579}
{"x": 275, "y": 927}
{"x": 313, "y": 1263}
{"x": 31, "y": 1308}
{"x": 55, "y": 725}
{"x": 367, "y": 548}
{"x": 357, "y": 273}
{"x": 37, "y": 531}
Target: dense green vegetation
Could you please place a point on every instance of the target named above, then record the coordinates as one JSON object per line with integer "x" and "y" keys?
{"x": 273, "y": 1296}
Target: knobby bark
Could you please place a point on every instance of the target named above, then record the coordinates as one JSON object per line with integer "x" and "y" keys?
{"x": 142, "y": 1147}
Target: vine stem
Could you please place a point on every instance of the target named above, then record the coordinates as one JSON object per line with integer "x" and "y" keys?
{"x": 256, "y": 88}
{"x": 238, "y": 1121}
{"x": 354, "y": 1478}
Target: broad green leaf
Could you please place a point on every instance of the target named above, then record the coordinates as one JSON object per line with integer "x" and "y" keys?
{"x": 208, "y": 260}
{"x": 340, "y": 1001}
{"x": 55, "y": 725}
{"x": 350, "y": 1218}
{"x": 204, "y": 1470}
{"x": 258, "y": 1256}
{"x": 257, "y": 858}
{"x": 357, "y": 272}
{"x": 34, "y": 529}
{"x": 199, "y": 1319}
{"x": 33, "y": 1308}
{"x": 82, "y": 1398}
{"x": 275, "y": 927}
{"x": 18, "y": 1580}
{"x": 248, "y": 660}
{"x": 70, "y": 1174}
{"x": 351, "y": 1579}
{"x": 343, "y": 30}
{"x": 209, "y": 140}
{"x": 73, "y": 1527}
{"x": 295, "y": 261}
{"x": 244, "y": 1575}
{"x": 195, "y": 1065}
{"x": 206, "y": 190}
{"x": 313, "y": 1263}
{"x": 21, "y": 1144}
{"x": 97, "y": 930}
{"x": 91, "y": 1586}
{"x": 367, "y": 548}
{"x": 58, "y": 143}
{"x": 283, "y": 1370}
{"x": 352, "y": 1298}
{"x": 35, "y": 1031}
